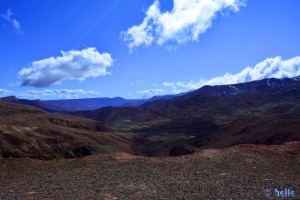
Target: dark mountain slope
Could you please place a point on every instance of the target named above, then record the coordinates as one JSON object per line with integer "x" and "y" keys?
{"x": 242, "y": 88}
{"x": 269, "y": 130}
{"x": 188, "y": 114}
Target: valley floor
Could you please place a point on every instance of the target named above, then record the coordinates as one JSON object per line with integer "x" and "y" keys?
{"x": 240, "y": 172}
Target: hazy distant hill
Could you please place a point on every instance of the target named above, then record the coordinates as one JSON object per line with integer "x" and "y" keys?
{"x": 71, "y": 105}
{"x": 95, "y": 103}
{"x": 241, "y": 88}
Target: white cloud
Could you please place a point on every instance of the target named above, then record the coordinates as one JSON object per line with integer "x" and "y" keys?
{"x": 59, "y": 93}
{"x": 269, "y": 68}
{"x": 190, "y": 85}
{"x": 185, "y": 22}
{"x": 72, "y": 65}
{"x": 150, "y": 93}
{"x": 8, "y": 16}
{"x": 4, "y": 92}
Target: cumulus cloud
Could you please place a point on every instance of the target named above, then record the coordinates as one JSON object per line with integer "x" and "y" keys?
{"x": 59, "y": 93}
{"x": 8, "y": 16}
{"x": 72, "y": 65}
{"x": 150, "y": 93}
{"x": 185, "y": 22}
{"x": 269, "y": 68}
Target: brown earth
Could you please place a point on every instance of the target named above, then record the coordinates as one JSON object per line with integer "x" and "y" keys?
{"x": 240, "y": 172}
{"x": 28, "y": 132}
{"x": 269, "y": 130}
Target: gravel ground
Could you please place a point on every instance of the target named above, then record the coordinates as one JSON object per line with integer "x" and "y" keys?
{"x": 233, "y": 173}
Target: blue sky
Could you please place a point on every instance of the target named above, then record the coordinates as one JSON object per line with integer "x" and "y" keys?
{"x": 139, "y": 48}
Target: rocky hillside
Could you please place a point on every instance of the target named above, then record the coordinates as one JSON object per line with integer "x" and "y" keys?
{"x": 26, "y": 131}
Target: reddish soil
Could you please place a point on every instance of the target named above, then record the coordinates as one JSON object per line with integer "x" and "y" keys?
{"x": 239, "y": 172}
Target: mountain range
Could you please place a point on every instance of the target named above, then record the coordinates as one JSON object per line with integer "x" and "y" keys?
{"x": 71, "y": 105}
{"x": 258, "y": 112}
{"x": 221, "y": 103}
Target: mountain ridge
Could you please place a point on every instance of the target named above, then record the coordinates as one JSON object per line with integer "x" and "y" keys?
{"x": 203, "y": 116}
{"x": 172, "y": 126}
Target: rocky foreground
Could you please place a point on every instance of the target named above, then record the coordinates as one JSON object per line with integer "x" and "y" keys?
{"x": 240, "y": 172}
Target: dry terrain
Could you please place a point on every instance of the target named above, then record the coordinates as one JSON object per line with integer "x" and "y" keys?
{"x": 239, "y": 172}
{"x": 29, "y": 132}
{"x": 236, "y": 142}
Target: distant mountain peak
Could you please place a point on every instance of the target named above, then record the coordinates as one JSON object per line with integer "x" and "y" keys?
{"x": 241, "y": 88}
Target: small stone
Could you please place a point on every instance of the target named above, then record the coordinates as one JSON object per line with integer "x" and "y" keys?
{"x": 31, "y": 193}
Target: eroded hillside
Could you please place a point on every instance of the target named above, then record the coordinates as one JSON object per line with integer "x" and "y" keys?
{"x": 26, "y": 131}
